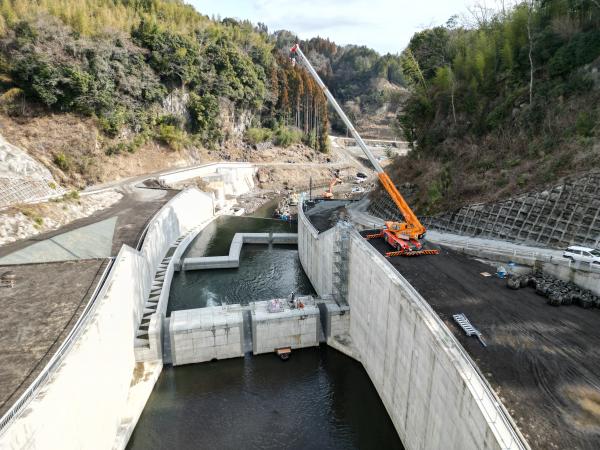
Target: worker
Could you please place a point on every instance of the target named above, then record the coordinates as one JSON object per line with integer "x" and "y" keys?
{"x": 293, "y": 300}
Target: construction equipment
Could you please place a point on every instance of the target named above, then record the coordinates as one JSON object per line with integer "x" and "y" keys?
{"x": 336, "y": 180}
{"x": 405, "y": 237}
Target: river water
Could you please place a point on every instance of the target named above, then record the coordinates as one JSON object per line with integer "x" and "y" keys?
{"x": 319, "y": 399}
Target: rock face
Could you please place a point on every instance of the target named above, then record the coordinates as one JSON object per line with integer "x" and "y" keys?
{"x": 14, "y": 162}
{"x": 234, "y": 121}
{"x": 22, "y": 178}
{"x": 176, "y": 104}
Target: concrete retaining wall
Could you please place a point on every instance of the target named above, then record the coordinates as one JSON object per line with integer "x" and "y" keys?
{"x": 432, "y": 390}
{"x": 80, "y": 406}
{"x": 87, "y": 402}
{"x": 586, "y": 276}
{"x": 203, "y": 334}
{"x": 295, "y": 328}
{"x": 225, "y": 179}
{"x": 315, "y": 251}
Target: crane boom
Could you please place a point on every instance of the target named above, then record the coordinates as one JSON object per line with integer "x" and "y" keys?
{"x": 413, "y": 228}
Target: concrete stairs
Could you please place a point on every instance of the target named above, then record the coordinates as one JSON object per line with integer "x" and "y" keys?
{"x": 151, "y": 305}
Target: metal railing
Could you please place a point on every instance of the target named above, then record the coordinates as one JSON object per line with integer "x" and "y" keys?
{"x": 58, "y": 357}
{"x": 523, "y": 253}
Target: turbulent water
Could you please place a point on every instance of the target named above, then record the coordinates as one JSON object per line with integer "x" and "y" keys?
{"x": 319, "y": 399}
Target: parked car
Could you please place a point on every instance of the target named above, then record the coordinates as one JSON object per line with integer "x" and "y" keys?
{"x": 583, "y": 254}
{"x": 360, "y": 178}
{"x": 358, "y": 190}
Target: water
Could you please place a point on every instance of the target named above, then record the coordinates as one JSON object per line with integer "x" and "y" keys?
{"x": 319, "y": 399}
{"x": 265, "y": 272}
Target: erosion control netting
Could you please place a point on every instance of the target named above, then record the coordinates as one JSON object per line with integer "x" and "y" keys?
{"x": 557, "y": 292}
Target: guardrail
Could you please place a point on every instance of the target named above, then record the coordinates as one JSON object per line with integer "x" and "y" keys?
{"x": 58, "y": 357}
{"x": 522, "y": 253}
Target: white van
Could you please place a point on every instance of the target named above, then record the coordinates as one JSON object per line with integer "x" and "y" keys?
{"x": 583, "y": 254}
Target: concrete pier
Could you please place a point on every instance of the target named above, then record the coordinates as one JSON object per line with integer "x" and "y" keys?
{"x": 232, "y": 260}
{"x": 204, "y": 334}
{"x": 295, "y": 328}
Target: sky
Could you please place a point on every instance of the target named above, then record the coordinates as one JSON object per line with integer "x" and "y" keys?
{"x": 384, "y": 25}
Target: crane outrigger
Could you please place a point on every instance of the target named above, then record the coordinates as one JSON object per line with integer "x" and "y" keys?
{"x": 405, "y": 237}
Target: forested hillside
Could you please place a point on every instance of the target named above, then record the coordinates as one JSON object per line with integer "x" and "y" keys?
{"x": 360, "y": 78}
{"x": 153, "y": 70}
{"x": 508, "y": 105}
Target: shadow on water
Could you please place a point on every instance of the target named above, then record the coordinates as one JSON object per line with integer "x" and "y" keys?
{"x": 319, "y": 399}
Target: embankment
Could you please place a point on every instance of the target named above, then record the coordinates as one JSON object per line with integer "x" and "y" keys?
{"x": 85, "y": 393}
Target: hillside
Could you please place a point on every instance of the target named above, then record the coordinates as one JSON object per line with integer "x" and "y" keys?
{"x": 507, "y": 106}
{"x": 369, "y": 86}
{"x": 95, "y": 89}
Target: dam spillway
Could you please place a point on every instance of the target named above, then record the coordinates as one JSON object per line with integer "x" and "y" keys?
{"x": 258, "y": 401}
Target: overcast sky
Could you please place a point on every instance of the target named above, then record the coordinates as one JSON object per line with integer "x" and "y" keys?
{"x": 385, "y": 25}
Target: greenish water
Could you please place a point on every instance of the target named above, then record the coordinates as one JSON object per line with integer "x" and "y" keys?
{"x": 265, "y": 272}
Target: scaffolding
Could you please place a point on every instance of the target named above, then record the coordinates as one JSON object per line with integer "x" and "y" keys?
{"x": 341, "y": 258}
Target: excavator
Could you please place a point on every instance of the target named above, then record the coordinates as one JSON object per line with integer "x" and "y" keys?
{"x": 336, "y": 180}
{"x": 404, "y": 237}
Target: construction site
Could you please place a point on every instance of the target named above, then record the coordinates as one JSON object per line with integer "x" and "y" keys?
{"x": 467, "y": 330}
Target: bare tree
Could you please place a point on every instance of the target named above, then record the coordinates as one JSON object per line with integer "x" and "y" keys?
{"x": 530, "y": 39}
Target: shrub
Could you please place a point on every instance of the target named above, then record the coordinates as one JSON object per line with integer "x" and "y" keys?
{"x": 286, "y": 136}
{"x": 584, "y": 126}
{"x": 63, "y": 161}
{"x": 172, "y": 136}
{"x": 256, "y": 135}
{"x": 204, "y": 113}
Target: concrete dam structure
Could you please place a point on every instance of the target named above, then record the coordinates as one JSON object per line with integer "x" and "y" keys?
{"x": 430, "y": 387}
{"x": 96, "y": 390}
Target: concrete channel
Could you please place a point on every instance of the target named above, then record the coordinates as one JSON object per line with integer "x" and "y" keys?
{"x": 428, "y": 384}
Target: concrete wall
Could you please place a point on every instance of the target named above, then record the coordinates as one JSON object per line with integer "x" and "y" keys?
{"x": 432, "y": 390}
{"x": 233, "y": 259}
{"x": 228, "y": 179}
{"x": 315, "y": 251}
{"x": 203, "y": 334}
{"x": 85, "y": 402}
{"x": 295, "y": 328}
{"x": 586, "y": 276}
{"x": 79, "y": 407}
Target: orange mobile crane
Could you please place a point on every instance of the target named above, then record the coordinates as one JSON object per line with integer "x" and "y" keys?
{"x": 405, "y": 237}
